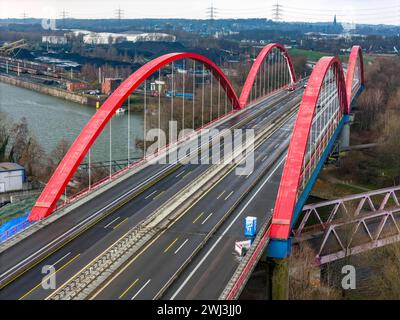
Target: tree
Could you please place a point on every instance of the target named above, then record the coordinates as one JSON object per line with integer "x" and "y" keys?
{"x": 60, "y": 150}
{"x": 300, "y": 66}
{"x": 4, "y": 137}
{"x": 25, "y": 149}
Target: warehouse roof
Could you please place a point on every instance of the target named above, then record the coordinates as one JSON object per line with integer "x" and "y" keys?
{"x": 10, "y": 166}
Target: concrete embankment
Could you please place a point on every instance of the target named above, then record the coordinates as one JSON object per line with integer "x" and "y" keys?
{"x": 52, "y": 91}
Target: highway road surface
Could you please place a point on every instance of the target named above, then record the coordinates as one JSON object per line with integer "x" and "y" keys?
{"x": 72, "y": 256}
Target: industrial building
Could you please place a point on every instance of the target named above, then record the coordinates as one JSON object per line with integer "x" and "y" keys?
{"x": 109, "y": 85}
{"x": 97, "y": 38}
{"x": 12, "y": 177}
{"x": 55, "y": 39}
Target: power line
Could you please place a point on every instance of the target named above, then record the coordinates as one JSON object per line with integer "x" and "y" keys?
{"x": 212, "y": 12}
{"x": 343, "y": 10}
{"x": 119, "y": 13}
{"x": 277, "y": 10}
{"x": 64, "y": 16}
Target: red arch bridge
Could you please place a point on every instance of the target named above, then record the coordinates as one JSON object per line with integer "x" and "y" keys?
{"x": 296, "y": 124}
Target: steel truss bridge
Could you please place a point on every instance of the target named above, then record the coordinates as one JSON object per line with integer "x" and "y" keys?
{"x": 350, "y": 225}
{"x": 167, "y": 231}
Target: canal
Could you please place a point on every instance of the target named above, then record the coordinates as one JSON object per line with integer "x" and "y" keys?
{"x": 51, "y": 119}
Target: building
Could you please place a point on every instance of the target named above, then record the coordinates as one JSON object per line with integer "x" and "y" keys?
{"x": 97, "y": 38}
{"x": 12, "y": 177}
{"x": 54, "y": 39}
{"x": 109, "y": 85}
{"x": 74, "y": 86}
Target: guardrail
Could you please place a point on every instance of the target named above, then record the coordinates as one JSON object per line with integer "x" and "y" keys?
{"x": 18, "y": 228}
{"x": 91, "y": 277}
{"x": 91, "y": 222}
{"x": 136, "y": 163}
{"x": 276, "y": 126}
{"x": 242, "y": 274}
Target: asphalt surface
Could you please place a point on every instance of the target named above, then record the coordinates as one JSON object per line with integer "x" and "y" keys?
{"x": 74, "y": 255}
{"x": 148, "y": 272}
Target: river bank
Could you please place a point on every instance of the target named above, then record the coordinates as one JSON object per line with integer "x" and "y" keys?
{"x": 52, "y": 91}
{"x": 52, "y": 119}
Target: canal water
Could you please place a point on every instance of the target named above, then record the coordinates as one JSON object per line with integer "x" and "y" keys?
{"x": 51, "y": 119}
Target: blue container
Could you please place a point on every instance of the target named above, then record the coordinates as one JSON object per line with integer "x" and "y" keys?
{"x": 250, "y": 226}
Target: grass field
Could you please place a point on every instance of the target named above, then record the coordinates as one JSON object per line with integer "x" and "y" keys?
{"x": 311, "y": 55}
{"x": 316, "y": 55}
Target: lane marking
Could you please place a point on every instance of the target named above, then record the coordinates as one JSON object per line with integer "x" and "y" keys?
{"x": 221, "y": 194}
{"x": 46, "y": 278}
{"x": 228, "y": 196}
{"x": 106, "y": 226}
{"x": 150, "y": 244}
{"x": 151, "y": 194}
{"x": 177, "y": 250}
{"x": 82, "y": 223}
{"x": 248, "y": 175}
{"x": 171, "y": 245}
{"x": 207, "y": 218}
{"x": 178, "y": 175}
{"x": 127, "y": 289}
{"x": 265, "y": 158}
{"x": 126, "y": 266}
{"x": 59, "y": 260}
{"x": 159, "y": 195}
{"x": 147, "y": 246}
{"x": 194, "y": 221}
{"x": 276, "y": 146}
{"x": 140, "y": 290}
{"x": 154, "y": 240}
{"x": 190, "y": 172}
{"x": 226, "y": 230}
{"x": 115, "y": 227}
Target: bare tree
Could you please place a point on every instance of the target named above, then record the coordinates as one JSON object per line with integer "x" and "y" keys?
{"x": 60, "y": 150}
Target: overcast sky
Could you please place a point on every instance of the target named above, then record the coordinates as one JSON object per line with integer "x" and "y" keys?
{"x": 357, "y": 11}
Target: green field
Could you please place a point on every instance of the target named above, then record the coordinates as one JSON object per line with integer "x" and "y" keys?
{"x": 316, "y": 55}
{"x": 311, "y": 55}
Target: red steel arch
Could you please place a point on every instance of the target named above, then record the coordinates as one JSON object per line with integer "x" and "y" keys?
{"x": 66, "y": 169}
{"x": 290, "y": 182}
{"x": 244, "y": 96}
{"x": 356, "y": 54}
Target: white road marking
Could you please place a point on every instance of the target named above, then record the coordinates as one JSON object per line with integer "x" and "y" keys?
{"x": 208, "y": 217}
{"x": 247, "y": 176}
{"x": 59, "y": 260}
{"x": 151, "y": 194}
{"x": 178, "y": 175}
{"x": 227, "y": 197}
{"x": 180, "y": 247}
{"x": 82, "y": 222}
{"x": 105, "y": 227}
{"x": 140, "y": 290}
{"x": 277, "y": 146}
{"x": 225, "y": 231}
{"x": 263, "y": 159}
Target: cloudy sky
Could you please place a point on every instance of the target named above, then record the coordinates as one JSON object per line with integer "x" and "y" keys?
{"x": 357, "y": 11}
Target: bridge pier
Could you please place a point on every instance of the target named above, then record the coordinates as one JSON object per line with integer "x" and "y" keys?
{"x": 277, "y": 279}
{"x": 344, "y": 138}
